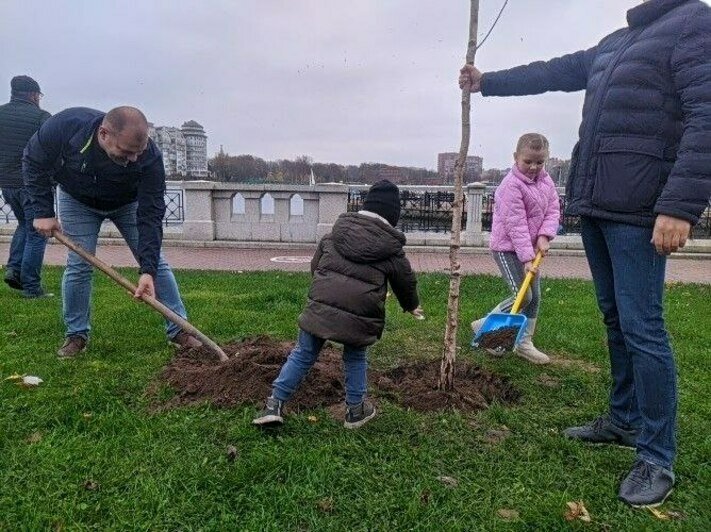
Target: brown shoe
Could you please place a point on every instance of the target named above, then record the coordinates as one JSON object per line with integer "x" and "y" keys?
{"x": 72, "y": 346}
{"x": 184, "y": 340}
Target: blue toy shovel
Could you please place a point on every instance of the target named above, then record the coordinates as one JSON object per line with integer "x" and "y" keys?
{"x": 499, "y": 320}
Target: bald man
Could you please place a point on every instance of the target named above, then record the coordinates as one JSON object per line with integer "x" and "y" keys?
{"x": 107, "y": 168}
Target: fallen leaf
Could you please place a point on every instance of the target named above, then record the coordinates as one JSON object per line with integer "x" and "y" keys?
{"x": 577, "y": 510}
{"x": 15, "y": 377}
{"x": 11, "y": 333}
{"x": 449, "y": 481}
{"x": 90, "y": 485}
{"x": 35, "y": 437}
{"x": 312, "y": 419}
{"x": 508, "y": 514}
{"x": 31, "y": 381}
{"x": 231, "y": 453}
{"x": 325, "y": 505}
{"x": 658, "y": 514}
{"x": 87, "y": 415}
{"x": 666, "y": 516}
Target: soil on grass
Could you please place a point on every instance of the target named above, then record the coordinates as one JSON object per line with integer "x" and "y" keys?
{"x": 197, "y": 375}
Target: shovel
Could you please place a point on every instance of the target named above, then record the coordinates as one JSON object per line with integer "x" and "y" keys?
{"x": 131, "y": 288}
{"x": 499, "y": 320}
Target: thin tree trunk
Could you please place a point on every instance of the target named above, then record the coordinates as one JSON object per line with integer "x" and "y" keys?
{"x": 446, "y": 377}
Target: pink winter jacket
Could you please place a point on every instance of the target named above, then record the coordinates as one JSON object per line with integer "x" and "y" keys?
{"x": 524, "y": 209}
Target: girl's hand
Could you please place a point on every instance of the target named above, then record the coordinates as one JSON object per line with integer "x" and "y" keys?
{"x": 528, "y": 266}
{"x": 543, "y": 245}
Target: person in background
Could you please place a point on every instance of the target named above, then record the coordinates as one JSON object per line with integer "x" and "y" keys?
{"x": 20, "y": 118}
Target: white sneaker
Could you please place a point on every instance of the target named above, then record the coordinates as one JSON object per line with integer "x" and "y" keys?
{"x": 527, "y": 350}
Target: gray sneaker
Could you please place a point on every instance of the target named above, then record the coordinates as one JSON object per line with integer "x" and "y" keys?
{"x": 646, "y": 485}
{"x": 272, "y": 414}
{"x": 358, "y": 415}
{"x": 604, "y": 431}
{"x": 72, "y": 346}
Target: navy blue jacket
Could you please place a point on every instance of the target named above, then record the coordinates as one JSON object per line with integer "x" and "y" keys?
{"x": 645, "y": 137}
{"x": 62, "y": 150}
{"x": 19, "y": 120}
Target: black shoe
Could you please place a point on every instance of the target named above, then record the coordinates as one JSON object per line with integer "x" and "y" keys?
{"x": 646, "y": 485}
{"x": 358, "y": 415}
{"x": 604, "y": 431}
{"x": 12, "y": 278}
{"x": 271, "y": 414}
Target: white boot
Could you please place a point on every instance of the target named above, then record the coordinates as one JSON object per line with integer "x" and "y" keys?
{"x": 527, "y": 350}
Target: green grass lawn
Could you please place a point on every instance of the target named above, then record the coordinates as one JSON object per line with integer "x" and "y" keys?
{"x": 90, "y": 421}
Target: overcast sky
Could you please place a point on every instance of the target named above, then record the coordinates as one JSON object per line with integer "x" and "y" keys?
{"x": 341, "y": 81}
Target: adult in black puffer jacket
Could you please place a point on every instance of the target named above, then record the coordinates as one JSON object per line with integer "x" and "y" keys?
{"x": 351, "y": 269}
{"x": 640, "y": 177}
{"x": 19, "y": 120}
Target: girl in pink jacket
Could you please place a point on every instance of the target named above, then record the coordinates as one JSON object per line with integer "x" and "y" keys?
{"x": 526, "y": 217}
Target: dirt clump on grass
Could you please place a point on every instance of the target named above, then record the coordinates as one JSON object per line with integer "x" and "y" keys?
{"x": 196, "y": 376}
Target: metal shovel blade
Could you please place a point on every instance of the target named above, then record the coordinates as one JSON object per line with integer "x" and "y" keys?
{"x": 497, "y": 321}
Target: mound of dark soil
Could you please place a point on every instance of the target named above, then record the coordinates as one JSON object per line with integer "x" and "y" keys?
{"x": 197, "y": 376}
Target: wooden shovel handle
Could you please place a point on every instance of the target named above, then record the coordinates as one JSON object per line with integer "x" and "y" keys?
{"x": 131, "y": 288}
{"x": 526, "y": 283}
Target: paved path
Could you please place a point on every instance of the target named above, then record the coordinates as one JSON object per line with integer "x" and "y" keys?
{"x": 289, "y": 259}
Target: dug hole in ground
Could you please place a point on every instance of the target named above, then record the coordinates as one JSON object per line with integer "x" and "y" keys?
{"x": 197, "y": 376}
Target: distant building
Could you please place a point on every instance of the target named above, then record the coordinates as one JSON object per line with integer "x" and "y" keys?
{"x": 446, "y": 162}
{"x": 195, "y": 148}
{"x": 184, "y": 149}
{"x": 171, "y": 142}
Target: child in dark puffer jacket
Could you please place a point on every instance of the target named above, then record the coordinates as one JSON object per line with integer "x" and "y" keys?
{"x": 351, "y": 270}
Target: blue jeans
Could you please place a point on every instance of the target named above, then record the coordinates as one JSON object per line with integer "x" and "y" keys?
{"x": 27, "y": 246}
{"x": 82, "y": 223}
{"x": 304, "y": 355}
{"x": 629, "y": 281}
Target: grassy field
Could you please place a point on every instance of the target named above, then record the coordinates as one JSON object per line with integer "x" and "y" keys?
{"x": 83, "y": 451}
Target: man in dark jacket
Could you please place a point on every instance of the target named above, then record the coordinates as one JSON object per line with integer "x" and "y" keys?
{"x": 351, "y": 271}
{"x": 19, "y": 120}
{"x": 107, "y": 168}
{"x": 640, "y": 177}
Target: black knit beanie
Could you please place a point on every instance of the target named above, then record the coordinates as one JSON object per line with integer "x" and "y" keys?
{"x": 383, "y": 199}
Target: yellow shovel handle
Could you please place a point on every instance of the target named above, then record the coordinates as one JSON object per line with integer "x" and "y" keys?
{"x": 526, "y": 283}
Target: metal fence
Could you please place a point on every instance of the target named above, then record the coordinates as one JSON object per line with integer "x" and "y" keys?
{"x": 420, "y": 210}
{"x": 703, "y": 228}
{"x": 174, "y": 208}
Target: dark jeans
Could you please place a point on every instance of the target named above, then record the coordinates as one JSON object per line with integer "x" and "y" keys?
{"x": 629, "y": 281}
{"x": 27, "y": 246}
{"x": 304, "y": 356}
